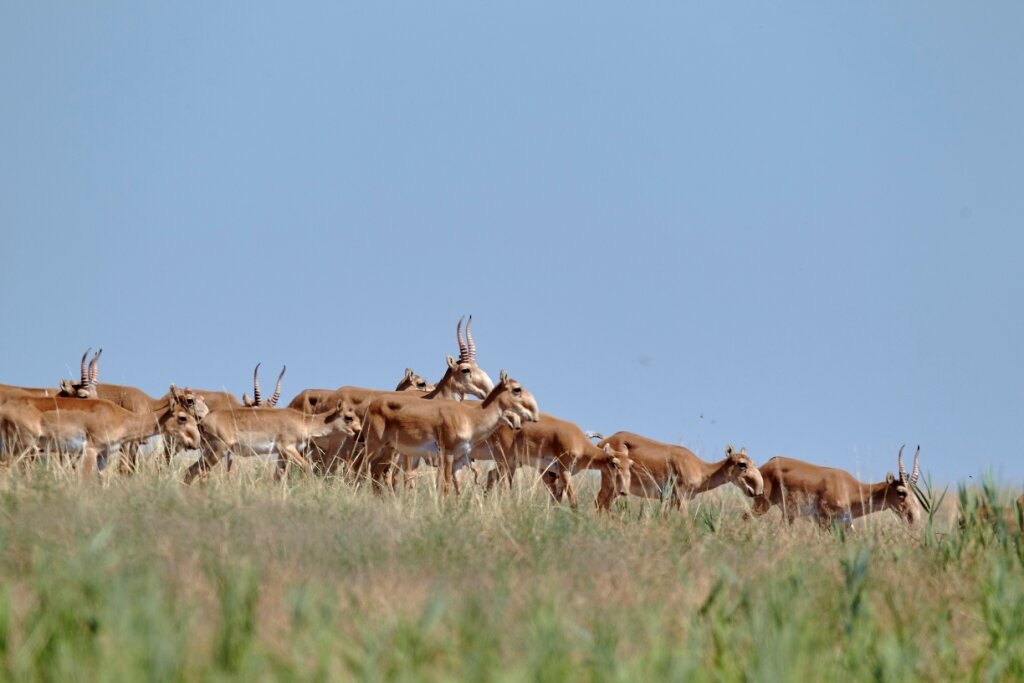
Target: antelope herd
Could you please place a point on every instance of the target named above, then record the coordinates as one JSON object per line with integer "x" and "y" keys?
{"x": 374, "y": 435}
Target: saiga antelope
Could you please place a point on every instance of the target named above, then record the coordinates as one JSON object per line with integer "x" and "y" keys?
{"x": 281, "y": 432}
{"x": 660, "y": 468}
{"x": 92, "y": 426}
{"x": 829, "y": 494}
{"x": 447, "y": 430}
{"x": 558, "y": 449}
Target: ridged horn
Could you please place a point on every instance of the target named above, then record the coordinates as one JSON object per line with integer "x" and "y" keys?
{"x": 469, "y": 340}
{"x": 85, "y": 368}
{"x": 917, "y": 466}
{"x": 899, "y": 462}
{"x": 257, "y": 395}
{"x": 272, "y": 401}
{"x": 463, "y": 351}
{"x": 94, "y": 367}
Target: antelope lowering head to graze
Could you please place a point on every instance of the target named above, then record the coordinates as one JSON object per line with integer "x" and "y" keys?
{"x": 660, "y": 469}
{"x": 93, "y": 427}
{"x": 138, "y": 401}
{"x": 832, "y": 495}
{"x": 557, "y": 448}
{"x": 283, "y": 432}
{"x": 86, "y": 386}
{"x": 257, "y": 399}
{"x": 446, "y": 429}
{"x": 82, "y": 389}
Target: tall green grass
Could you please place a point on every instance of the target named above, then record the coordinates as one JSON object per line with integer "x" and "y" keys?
{"x": 144, "y": 579}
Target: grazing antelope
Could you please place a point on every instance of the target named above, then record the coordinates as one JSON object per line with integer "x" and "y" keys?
{"x": 660, "y": 468}
{"x": 257, "y": 399}
{"x": 82, "y": 389}
{"x": 92, "y": 426}
{"x": 139, "y": 402}
{"x": 558, "y": 449}
{"x": 829, "y": 494}
{"x": 283, "y": 433}
{"x": 445, "y": 429}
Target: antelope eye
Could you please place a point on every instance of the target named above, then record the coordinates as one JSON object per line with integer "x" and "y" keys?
{"x": 190, "y": 401}
{"x": 348, "y": 418}
{"x": 901, "y": 494}
{"x": 743, "y": 465}
{"x": 182, "y": 419}
{"x": 517, "y": 391}
{"x": 465, "y": 371}
{"x": 421, "y": 385}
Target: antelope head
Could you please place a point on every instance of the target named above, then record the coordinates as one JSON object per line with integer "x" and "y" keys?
{"x": 86, "y": 386}
{"x": 346, "y": 416}
{"x": 180, "y": 421}
{"x": 742, "y": 472}
{"x": 468, "y": 377}
{"x": 191, "y": 401}
{"x": 413, "y": 382}
{"x": 257, "y": 400}
{"x": 899, "y": 494}
{"x": 515, "y": 402}
{"x": 621, "y": 468}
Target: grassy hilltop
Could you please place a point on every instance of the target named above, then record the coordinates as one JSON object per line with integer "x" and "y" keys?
{"x": 142, "y": 579}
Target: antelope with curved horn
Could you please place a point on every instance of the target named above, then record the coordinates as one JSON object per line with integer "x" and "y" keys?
{"x": 139, "y": 402}
{"x": 81, "y": 389}
{"x": 558, "y": 449}
{"x": 93, "y": 427}
{"x": 282, "y": 432}
{"x": 447, "y": 430}
{"x": 659, "y": 468}
{"x": 463, "y": 377}
{"x": 257, "y": 399}
{"x": 829, "y": 494}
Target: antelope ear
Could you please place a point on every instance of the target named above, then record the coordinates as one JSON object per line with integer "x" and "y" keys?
{"x": 408, "y": 373}
{"x": 728, "y": 449}
{"x": 503, "y": 378}
{"x": 451, "y": 363}
{"x": 889, "y": 478}
{"x": 743, "y": 451}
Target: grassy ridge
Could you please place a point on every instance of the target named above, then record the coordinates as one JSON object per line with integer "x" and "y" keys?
{"x": 143, "y": 579}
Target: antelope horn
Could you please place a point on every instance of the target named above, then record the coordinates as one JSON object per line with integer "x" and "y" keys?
{"x": 469, "y": 340}
{"x": 272, "y": 401}
{"x": 94, "y": 367}
{"x": 85, "y": 369}
{"x": 463, "y": 351}
{"x": 899, "y": 461}
{"x": 257, "y": 395}
{"x": 917, "y": 466}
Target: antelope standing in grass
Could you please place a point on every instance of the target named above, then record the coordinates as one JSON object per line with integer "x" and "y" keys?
{"x": 463, "y": 377}
{"x": 832, "y": 495}
{"x": 139, "y": 402}
{"x": 447, "y": 430}
{"x": 558, "y": 449}
{"x": 660, "y": 469}
{"x": 283, "y": 433}
{"x": 93, "y": 427}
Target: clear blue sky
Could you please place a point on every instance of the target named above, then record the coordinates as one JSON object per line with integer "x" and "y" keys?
{"x": 795, "y": 227}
